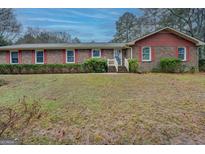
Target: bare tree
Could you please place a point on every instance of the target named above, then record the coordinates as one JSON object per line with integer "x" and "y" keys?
{"x": 36, "y": 35}
{"x": 9, "y": 26}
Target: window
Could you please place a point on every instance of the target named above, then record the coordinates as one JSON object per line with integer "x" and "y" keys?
{"x": 146, "y": 54}
{"x": 96, "y": 53}
{"x": 39, "y": 57}
{"x": 14, "y": 57}
{"x": 70, "y": 56}
{"x": 182, "y": 53}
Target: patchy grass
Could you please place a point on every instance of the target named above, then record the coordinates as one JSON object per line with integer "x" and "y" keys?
{"x": 3, "y": 82}
{"x": 112, "y": 108}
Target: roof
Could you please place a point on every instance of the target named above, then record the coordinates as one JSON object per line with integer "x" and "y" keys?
{"x": 63, "y": 46}
{"x": 178, "y": 33}
{"x": 96, "y": 45}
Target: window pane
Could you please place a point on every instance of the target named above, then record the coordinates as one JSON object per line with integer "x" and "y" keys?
{"x": 70, "y": 53}
{"x": 146, "y": 50}
{"x": 39, "y": 57}
{"x": 70, "y": 59}
{"x": 181, "y": 56}
{"x": 14, "y": 57}
{"x": 70, "y": 56}
{"x": 96, "y": 53}
{"x": 181, "y": 53}
{"x": 146, "y": 54}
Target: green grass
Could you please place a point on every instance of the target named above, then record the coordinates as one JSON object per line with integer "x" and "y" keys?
{"x": 112, "y": 108}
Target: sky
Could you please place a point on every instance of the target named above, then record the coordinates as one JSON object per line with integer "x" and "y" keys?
{"x": 86, "y": 24}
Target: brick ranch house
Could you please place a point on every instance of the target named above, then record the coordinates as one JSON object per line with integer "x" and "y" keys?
{"x": 149, "y": 49}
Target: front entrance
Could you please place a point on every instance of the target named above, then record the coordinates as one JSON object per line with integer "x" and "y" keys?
{"x": 118, "y": 56}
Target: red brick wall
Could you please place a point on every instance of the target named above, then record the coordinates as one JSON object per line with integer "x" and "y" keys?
{"x": 3, "y": 57}
{"x": 164, "y": 44}
{"x": 54, "y": 56}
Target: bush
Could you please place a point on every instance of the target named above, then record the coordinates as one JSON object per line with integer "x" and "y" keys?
{"x": 133, "y": 65}
{"x": 40, "y": 68}
{"x": 171, "y": 65}
{"x": 202, "y": 65}
{"x": 192, "y": 69}
{"x": 95, "y": 65}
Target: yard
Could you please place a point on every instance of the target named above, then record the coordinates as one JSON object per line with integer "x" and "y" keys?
{"x": 110, "y": 108}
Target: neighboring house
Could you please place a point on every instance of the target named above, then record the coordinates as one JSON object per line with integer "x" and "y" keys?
{"x": 148, "y": 49}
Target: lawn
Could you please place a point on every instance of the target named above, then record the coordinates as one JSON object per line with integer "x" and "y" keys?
{"x": 110, "y": 108}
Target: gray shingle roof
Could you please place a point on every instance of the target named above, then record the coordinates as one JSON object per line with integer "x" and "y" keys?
{"x": 63, "y": 46}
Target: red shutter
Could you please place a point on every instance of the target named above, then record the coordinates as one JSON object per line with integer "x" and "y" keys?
{"x": 176, "y": 52}
{"x": 102, "y": 53}
{"x": 33, "y": 57}
{"x": 20, "y": 56}
{"x": 76, "y": 55}
{"x": 8, "y": 57}
{"x": 152, "y": 53}
{"x": 90, "y": 53}
{"x": 45, "y": 56}
{"x": 64, "y": 56}
{"x": 188, "y": 54}
{"x": 140, "y": 54}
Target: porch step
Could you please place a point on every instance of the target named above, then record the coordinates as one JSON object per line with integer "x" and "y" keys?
{"x": 111, "y": 69}
{"x": 122, "y": 69}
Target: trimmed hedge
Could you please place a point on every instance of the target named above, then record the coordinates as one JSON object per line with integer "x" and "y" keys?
{"x": 171, "y": 65}
{"x": 40, "y": 68}
{"x": 133, "y": 65}
{"x": 95, "y": 65}
{"x": 202, "y": 65}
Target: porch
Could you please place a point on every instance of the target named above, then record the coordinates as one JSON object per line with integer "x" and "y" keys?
{"x": 119, "y": 62}
{"x": 113, "y": 66}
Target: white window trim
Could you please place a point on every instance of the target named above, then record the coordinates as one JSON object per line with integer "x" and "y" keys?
{"x": 11, "y": 57}
{"x": 185, "y": 58}
{"x": 36, "y": 56}
{"x": 98, "y": 56}
{"x": 67, "y": 56}
{"x": 150, "y": 54}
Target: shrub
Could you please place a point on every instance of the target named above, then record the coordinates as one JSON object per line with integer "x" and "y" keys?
{"x": 40, "y": 68}
{"x": 95, "y": 65}
{"x": 171, "y": 65}
{"x": 133, "y": 65}
{"x": 192, "y": 69}
{"x": 202, "y": 65}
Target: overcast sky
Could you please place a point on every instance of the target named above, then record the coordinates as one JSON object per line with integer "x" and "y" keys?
{"x": 86, "y": 24}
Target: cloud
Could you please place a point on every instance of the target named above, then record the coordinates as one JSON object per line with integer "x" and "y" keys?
{"x": 87, "y": 24}
{"x": 53, "y": 20}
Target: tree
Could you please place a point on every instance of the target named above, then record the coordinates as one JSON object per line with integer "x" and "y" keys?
{"x": 126, "y": 28}
{"x": 75, "y": 40}
{"x": 190, "y": 21}
{"x": 9, "y": 26}
{"x": 36, "y": 35}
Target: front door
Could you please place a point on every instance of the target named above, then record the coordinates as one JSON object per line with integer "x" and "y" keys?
{"x": 118, "y": 56}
